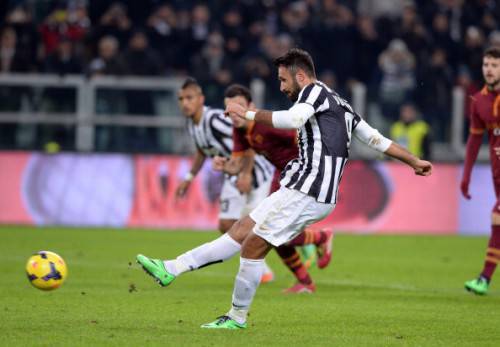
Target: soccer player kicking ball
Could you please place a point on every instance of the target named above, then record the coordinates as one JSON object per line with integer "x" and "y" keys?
{"x": 309, "y": 183}
{"x": 278, "y": 146}
{"x": 485, "y": 112}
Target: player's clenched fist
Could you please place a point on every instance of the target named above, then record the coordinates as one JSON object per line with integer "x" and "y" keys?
{"x": 233, "y": 108}
{"x": 423, "y": 168}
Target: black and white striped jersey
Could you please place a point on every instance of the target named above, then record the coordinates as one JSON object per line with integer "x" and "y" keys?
{"x": 213, "y": 136}
{"x": 324, "y": 142}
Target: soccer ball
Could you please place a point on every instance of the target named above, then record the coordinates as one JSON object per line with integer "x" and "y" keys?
{"x": 46, "y": 270}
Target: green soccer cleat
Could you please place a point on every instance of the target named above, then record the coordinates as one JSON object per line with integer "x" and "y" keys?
{"x": 477, "y": 286}
{"x": 156, "y": 269}
{"x": 224, "y": 322}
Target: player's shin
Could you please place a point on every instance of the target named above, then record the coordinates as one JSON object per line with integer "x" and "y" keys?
{"x": 492, "y": 253}
{"x": 292, "y": 260}
{"x": 245, "y": 286}
{"x": 207, "y": 254}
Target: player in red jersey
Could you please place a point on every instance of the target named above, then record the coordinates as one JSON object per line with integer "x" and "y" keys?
{"x": 278, "y": 146}
{"x": 485, "y": 117}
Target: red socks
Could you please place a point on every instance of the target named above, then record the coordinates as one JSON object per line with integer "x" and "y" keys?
{"x": 292, "y": 260}
{"x": 309, "y": 236}
{"x": 492, "y": 254}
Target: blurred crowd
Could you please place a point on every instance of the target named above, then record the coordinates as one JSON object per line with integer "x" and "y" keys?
{"x": 402, "y": 50}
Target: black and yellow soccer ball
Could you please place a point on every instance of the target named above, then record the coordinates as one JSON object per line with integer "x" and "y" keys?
{"x": 46, "y": 270}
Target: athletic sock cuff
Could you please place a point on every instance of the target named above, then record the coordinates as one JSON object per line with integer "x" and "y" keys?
{"x": 231, "y": 240}
{"x": 251, "y": 262}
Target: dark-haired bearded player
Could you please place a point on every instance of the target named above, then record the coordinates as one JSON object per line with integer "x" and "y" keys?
{"x": 278, "y": 146}
{"x": 485, "y": 117}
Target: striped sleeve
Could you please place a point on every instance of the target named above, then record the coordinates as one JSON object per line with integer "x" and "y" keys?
{"x": 219, "y": 124}
{"x": 221, "y": 131}
{"x": 313, "y": 95}
{"x": 356, "y": 120}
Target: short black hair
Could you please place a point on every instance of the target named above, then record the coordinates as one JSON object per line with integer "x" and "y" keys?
{"x": 297, "y": 58}
{"x": 238, "y": 90}
{"x": 492, "y": 51}
{"x": 190, "y": 82}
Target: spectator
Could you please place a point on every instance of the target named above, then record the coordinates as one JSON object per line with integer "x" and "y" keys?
{"x": 484, "y": 14}
{"x": 455, "y": 13}
{"x": 368, "y": 48}
{"x": 381, "y": 8}
{"x": 108, "y": 101}
{"x": 163, "y": 34}
{"x": 63, "y": 23}
{"x": 397, "y": 66}
{"x": 140, "y": 59}
{"x": 214, "y": 68}
{"x": 27, "y": 36}
{"x": 494, "y": 38}
{"x": 11, "y": 60}
{"x": 295, "y": 20}
{"x": 434, "y": 93}
{"x": 10, "y": 97}
{"x": 412, "y": 132}
{"x": 270, "y": 48}
{"x": 107, "y": 62}
{"x": 441, "y": 37}
{"x": 184, "y": 43}
{"x": 413, "y": 33}
{"x": 200, "y": 27}
{"x": 234, "y": 33}
{"x": 337, "y": 25}
{"x": 114, "y": 22}
{"x": 472, "y": 52}
{"x": 63, "y": 60}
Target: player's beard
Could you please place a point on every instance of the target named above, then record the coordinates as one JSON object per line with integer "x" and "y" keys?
{"x": 294, "y": 93}
{"x": 495, "y": 85}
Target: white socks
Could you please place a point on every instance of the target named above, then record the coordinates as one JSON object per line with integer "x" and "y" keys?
{"x": 245, "y": 286}
{"x": 209, "y": 253}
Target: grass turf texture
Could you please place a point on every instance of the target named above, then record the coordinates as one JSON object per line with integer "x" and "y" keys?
{"x": 379, "y": 290}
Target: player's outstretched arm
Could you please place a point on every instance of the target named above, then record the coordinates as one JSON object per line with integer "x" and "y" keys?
{"x": 264, "y": 117}
{"x": 372, "y": 138}
{"x": 421, "y": 167}
{"x": 292, "y": 118}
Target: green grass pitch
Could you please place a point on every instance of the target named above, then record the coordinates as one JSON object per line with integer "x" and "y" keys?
{"x": 378, "y": 291}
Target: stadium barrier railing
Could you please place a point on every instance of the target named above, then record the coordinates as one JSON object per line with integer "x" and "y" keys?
{"x": 88, "y": 115}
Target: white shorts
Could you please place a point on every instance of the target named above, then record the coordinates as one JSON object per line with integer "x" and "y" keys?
{"x": 283, "y": 215}
{"x": 234, "y": 205}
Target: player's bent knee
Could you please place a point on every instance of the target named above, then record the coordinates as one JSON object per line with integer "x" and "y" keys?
{"x": 241, "y": 229}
